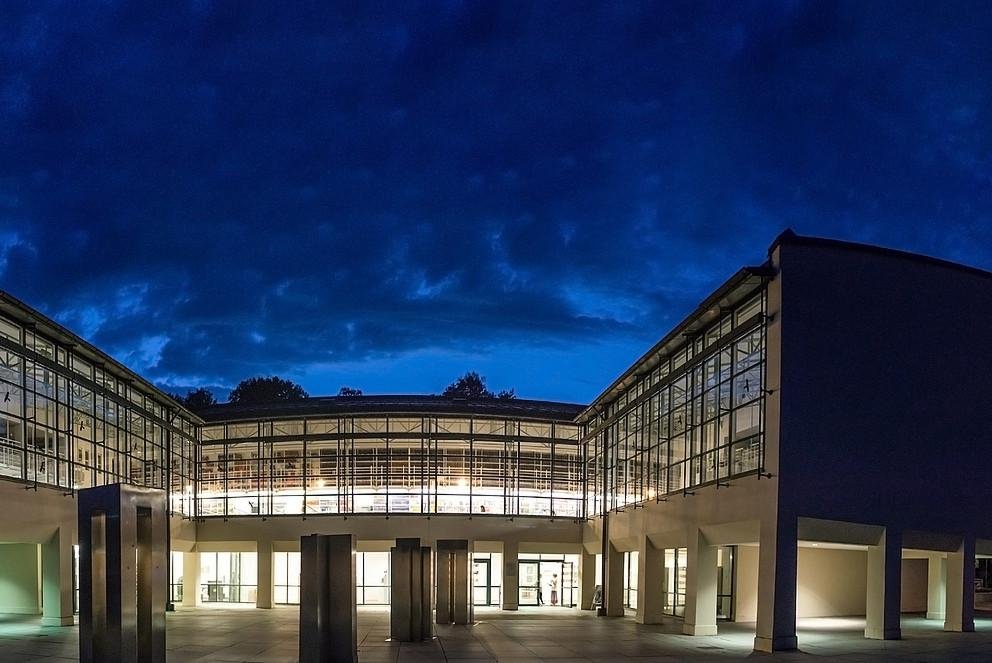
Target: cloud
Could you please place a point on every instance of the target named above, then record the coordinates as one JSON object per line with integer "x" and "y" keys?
{"x": 239, "y": 188}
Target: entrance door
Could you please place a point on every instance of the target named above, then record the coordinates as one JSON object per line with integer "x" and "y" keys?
{"x": 481, "y": 582}
{"x": 530, "y": 582}
{"x": 567, "y": 585}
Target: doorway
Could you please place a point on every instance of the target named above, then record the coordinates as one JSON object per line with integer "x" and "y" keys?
{"x": 481, "y": 582}
{"x": 547, "y": 582}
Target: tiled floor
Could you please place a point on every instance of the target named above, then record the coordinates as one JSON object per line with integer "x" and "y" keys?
{"x": 270, "y": 636}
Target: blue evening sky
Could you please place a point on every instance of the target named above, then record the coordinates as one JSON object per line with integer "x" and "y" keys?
{"x": 388, "y": 194}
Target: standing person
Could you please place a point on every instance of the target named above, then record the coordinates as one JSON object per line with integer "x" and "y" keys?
{"x": 554, "y": 589}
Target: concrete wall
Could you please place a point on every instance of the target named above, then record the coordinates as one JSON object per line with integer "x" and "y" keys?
{"x": 381, "y": 531}
{"x": 914, "y": 585}
{"x": 831, "y": 582}
{"x": 746, "y": 596}
{"x": 882, "y": 388}
{"x": 20, "y": 589}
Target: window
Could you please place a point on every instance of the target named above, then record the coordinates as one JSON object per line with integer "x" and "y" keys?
{"x": 286, "y": 577}
{"x": 228, "y": 577}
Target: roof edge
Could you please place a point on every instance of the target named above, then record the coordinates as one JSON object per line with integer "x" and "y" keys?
{"x": 788, "y": 236}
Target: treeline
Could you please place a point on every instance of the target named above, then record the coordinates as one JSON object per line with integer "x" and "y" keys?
{"x": 262, "y": 390}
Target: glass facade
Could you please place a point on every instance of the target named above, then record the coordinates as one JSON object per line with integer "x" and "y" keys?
{"x": 695, "y": 418}
{"x": 487, "y": 579}
{"x": 69, "y": 422}
{"x": 371, "y": 578}
{"x": 675, "y": 582}
{"x": 548, "y": 579}
{"x": 228, "y": 577}
{"x": 391, "y": 464}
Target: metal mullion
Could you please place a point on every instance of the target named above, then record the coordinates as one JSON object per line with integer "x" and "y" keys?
{"x": 471, "y": 460}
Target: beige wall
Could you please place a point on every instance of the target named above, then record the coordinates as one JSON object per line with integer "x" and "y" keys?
{"x": 746, "y": 589}
{"x": 914, "y": 585}
{"x": 831, "y": 582}
{"x": 19, "y": 578}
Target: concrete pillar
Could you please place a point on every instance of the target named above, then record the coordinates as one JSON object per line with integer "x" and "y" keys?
{"x": 56, "y": 579}
{"x": 263, "y": 596}
{"x": 613, "y": 581}
{"x": 959, "y": 614}
{"x": 587, "y": 580}
{"x": 650, "y": 578}
{"x": 191, "y": 579}
{"x": 701, "y": 574}
{"x": 884, "y": 587}
{"x": 777, "y": 565}
{"x": 936, "y": 579}
{"x": 328, "y": 614}
{"x": 511, "y": 577}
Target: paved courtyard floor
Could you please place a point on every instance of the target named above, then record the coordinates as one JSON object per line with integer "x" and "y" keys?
{"x": 559, "y": 635}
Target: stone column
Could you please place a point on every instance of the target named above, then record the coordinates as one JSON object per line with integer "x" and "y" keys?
{"x": 777, "y": 564}
{"x": 511, "y": 577}
{"x": 613, "y": 581}
{"x": 56, "y": 579}
{"x": 884, "y": 587}
{"x": 960, "y": 612}
{"x": 191, "y": 579}
{"x": 936, "y": 579}
{"x": 701, "y": 574}
{"x": 650, "y": 578}
{"x": 587, "y": 580}
{"x": 263, "y": 596}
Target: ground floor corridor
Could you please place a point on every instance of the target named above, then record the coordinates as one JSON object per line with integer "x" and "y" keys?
{"x": 530, "y": 635}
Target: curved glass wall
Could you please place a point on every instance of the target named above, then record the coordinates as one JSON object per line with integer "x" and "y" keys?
{"x": 391, "y": 464}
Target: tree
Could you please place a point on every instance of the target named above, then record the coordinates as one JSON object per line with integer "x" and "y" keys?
{"x": 266, "y": 390}
{"x": 348, "y": 391}
{"x": 472, "y": 386}
{"x": 196, "y": 399}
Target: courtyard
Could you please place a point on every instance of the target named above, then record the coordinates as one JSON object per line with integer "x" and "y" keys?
{"x": 527, "y": 636}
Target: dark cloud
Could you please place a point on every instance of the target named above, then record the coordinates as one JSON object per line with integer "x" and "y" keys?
{"x": 221, "y": 189}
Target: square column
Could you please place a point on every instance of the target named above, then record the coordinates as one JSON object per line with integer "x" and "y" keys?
{"x": 56, "y": 579}
{"x": 884, "y": 587}
{"x": 936, "y": 581}
{"x": 701, "y": 575}
{"x": 650, "y": 579}
{"x": 411, "y": 578}
{"x": 191, "y": 579}
{"x": 777, "y": 565}
{"x": 587, "y": 580}
{"x": 960, "y": 612}
{"x": 123, "y": 579}
{"x": 613, "y": 581}
{"x": 454, "y": 591}
{"x": 328, "y": 603}
{"x": 263, "y": 597}
{"x": 511, "y": 579}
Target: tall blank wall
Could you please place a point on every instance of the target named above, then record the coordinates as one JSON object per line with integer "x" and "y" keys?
{"x": 19, "y": 589}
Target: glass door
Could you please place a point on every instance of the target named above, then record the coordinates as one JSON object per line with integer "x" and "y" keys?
{"x": 530, "y": 582}
{"x": 481, "y": 582}
{"x": 568, "y": 585}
